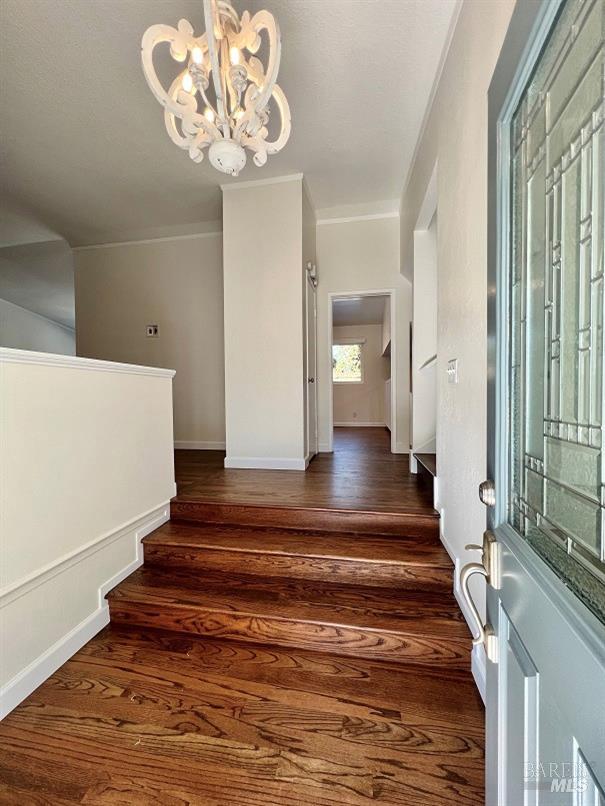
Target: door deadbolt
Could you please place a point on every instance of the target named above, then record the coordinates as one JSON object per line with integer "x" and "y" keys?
{"x": 487, "y": 493}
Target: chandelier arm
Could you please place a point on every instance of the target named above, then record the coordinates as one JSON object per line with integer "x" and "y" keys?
{"x": 258, "y": 144}
{"x": 192, "y": 121}
{"x": 214, "y": 65}
{"x": 154, "y": 36}
{"x": 248, "y": 38}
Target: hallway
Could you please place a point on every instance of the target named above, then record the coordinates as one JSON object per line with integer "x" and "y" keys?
{"x": 268, "y": 654}
{"x": 361, "y": 474}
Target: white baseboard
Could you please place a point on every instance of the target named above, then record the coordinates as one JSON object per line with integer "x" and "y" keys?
{"x": 48, "y": 661}
{"x": 357, "y": 424}
{"x": 46, "y": 664}
{"x": 324, "y": 447}
{"x": 264, "y": 463}
{"x": 478, "y": 668}
{"x": 184, "y": 444}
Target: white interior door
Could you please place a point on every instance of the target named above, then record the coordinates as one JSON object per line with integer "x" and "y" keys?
{"x": 311, "y": 362}
{"x": 544, "y": 551}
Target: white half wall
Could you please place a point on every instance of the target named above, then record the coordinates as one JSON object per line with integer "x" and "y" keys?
{"x": 86, "y": 470}
{"x": 21, "y": 329}
{"x": 360, "y": 256}
{"x": 176, "y": 283}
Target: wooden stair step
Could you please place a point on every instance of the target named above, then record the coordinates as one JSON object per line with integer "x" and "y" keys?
{"x": 323, "y": 556}
{"x": 402, "y": 626}
{"x": 404, "y": 524}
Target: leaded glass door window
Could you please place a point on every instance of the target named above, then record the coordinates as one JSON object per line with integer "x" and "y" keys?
{"x": 556, "y": 294}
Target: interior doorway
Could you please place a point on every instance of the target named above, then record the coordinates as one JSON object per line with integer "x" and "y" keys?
{"x": 362, "y": 356}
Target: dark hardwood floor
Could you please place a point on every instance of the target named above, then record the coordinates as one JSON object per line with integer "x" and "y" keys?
{"x": 145, "y": 717}
{"x": 361, "y": 474}
{"x": 291, "y": 639}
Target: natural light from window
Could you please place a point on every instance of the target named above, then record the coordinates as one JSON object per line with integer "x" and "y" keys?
{"x": 346, "y": 363}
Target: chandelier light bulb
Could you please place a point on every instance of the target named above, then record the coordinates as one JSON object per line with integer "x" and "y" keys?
{"x": 187, "y": 82}
{"x": 244, "y": 92}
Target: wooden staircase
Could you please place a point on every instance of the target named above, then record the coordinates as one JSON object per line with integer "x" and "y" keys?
{"x": 373, "y": 585}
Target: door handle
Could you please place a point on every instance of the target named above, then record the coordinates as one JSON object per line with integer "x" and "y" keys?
{"x": 465, "y": 574}
{"x": 489, "y": 567}
{"x": 311, "y": 380}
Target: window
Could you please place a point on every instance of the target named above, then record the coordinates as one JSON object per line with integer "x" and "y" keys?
{"x": 347, "y": 364}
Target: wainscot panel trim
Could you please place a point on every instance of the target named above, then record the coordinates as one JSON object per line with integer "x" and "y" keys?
{"x": 149, "y": 521}
{"x": 42, "y": 667}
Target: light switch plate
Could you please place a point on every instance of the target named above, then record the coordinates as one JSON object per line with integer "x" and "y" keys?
{"x": 452, "y": 370}
{"x": 152, "y": 331}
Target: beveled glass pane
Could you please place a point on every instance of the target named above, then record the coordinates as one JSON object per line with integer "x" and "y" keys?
{"x": 557, "y": 465}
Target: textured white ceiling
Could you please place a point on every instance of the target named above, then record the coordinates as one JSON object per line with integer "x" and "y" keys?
{"x": 358, "y": 311}
{"x": 83, "y": 143}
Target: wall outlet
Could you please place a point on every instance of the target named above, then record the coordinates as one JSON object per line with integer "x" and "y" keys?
{"x": 452, "y": 370}
{"x": 152, "y": 331}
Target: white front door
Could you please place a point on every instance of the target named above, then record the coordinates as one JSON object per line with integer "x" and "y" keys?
{"x": 544, "y": 551}
{"x": 311, "y": 363}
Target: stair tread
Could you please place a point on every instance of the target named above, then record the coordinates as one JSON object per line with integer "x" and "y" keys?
{"x": 363, "y": 607}
{"x": 417, "y": 551}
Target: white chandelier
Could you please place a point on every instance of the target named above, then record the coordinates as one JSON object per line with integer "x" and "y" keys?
{"x": 234, "y": 110}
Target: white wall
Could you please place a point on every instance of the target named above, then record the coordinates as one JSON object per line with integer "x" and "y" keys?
{"x": 424, "y": 346}
{"x": 176, "y": 283}
{"x": 23, "y": 330}
{"x": 86, "y": 470}
{"x": 455, "y": 137}
{"x": 263, "y": 266}
{"x": 358, "y": 256}
{"x": 362, "y": 403}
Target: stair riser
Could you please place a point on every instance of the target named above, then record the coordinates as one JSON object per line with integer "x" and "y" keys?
{"x": 318, "y": 569}
{"x": 378, "y": 523}
{"x": 421, "y": 650}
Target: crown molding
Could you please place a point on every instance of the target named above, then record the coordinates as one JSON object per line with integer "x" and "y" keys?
{"x": 276, "y": 180}
{"x": 143, "y": 241}
{"x": 350, "y": 219}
